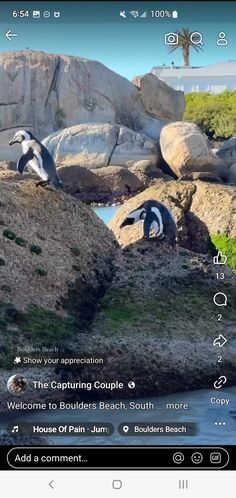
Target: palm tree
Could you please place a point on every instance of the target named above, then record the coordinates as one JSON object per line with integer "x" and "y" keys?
{"x": 185, "y": 42}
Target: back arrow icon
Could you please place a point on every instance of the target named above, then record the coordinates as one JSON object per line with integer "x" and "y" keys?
{"x": 9, "y": 35}
{"x": 51, "y": 484}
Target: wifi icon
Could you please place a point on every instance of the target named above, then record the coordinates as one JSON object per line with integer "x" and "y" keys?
{"x": 134, "y": 13}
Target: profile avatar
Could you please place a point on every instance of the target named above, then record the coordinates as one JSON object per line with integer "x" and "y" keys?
{"x": 17, "y": 384}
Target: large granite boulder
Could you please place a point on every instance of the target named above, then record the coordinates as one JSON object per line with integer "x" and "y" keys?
{"x": 159, "y": 99}
{"x": 177, "y": 197}
{"x": 200, "y": 209}
{"x": 148, "y": 173}
{"x": 227, "y": 151}
{"x": 98, "y": 145}
{"x": 186, "y": 150}
{"x": 98, "y": 185}
{"x": 45, "y": 92}
{"x": 215, "y": 205}
{"x": 120, "y": 181}
{"x": 232, "y": 174}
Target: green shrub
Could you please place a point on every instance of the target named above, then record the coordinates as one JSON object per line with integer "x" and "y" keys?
{"x": 35, "y": 249}
{"x": 42, "y": 272}
{"x": 215, "y": 114}
{"x": 75, "y": 251}
{"x": 9, "y": 234}
{"x": 2, "y": 261}
{"x": 20, "y": 242}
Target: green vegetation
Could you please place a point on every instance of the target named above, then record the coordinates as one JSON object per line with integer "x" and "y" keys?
{"x": 76, "y": 267}
{"x": 180, "y": 316}
{"x": 37, "y": 327}
{"x": 9, "y": 234}
{"x": 20, "y": 242}
{"x": 35, "y": 249}
{"x": 5, "y": 288}
{"x": 228, "y": 247}
{"x": 42, "y": 272}
{"x": 75, "y": 251}
{"x": 60, "y": 117}
{"x": 215, "y": 114}
{"x": 2, "y": 261}
{"x": 41, "y": 326}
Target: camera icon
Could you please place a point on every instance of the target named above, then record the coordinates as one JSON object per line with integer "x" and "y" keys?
{"x": 171, "y": 39}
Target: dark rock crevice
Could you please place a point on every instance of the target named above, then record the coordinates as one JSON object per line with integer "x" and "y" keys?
{"x": 53, "y": 85}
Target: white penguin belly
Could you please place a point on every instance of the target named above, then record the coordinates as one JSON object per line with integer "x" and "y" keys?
{"x": 34, "y": 164}
{"x": 156, "y": 228}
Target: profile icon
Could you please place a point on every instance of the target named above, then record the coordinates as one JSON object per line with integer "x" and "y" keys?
{"x": 17, "y": 384}
{"x": 222, "y": 39}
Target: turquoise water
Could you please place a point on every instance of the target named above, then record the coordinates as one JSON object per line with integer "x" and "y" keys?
{"x": 106, "y": 213}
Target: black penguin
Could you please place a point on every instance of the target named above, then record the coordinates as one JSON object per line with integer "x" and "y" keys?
{"x": 38, "y": 157}
{"x": 156, "y": 216}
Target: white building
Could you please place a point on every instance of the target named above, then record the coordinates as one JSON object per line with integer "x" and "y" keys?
{"x": 214, "y": 78}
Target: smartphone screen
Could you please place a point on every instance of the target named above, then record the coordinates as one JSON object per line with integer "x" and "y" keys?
{"x": 117, "y": 248}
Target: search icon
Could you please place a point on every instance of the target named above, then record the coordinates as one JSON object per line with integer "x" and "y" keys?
{"x": 220, "y": 299}
{"x": 196, "y": 38}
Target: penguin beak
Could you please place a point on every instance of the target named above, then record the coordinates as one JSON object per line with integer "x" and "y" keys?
{"x": 127, "y": 221}
{"x": 13, "y": 141}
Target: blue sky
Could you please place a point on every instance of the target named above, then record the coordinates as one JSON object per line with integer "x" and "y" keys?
{"x": 130, "y": 48}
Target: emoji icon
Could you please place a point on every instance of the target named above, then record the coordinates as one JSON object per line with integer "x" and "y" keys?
{"x": 197, "y": 458}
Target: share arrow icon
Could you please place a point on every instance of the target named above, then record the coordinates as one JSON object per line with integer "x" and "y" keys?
{"x": 220, "y": 341}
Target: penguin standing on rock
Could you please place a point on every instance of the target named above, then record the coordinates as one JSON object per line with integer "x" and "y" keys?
{"x": 38, "y": 157}
{"x": 155, "y": 216}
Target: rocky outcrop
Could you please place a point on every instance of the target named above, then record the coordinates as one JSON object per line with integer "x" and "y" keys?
{"x": 55, "y": 260}
{"x": 99, "y": 185}
{"x": 119, "y": 181}
{"x": 157, "y": 321}
{"x": 203, "y": 177}
{"x": 186, "y": 150}
{"x": 98, "y": 145}
{"x": 45, "y": 92}
{"x": 227, "y": 151}
{"x": 177, "y": 197}
{"x": 148, "y": 173}
{"x": 232, "y": 174}
{"x": 159, "y": 99}
{"x": 215, "y": 205}
{"x": 7, "y": 166}
{"x": 200, "y": 209}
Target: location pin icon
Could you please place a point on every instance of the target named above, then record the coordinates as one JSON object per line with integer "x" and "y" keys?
{"x": 125, "y": 429}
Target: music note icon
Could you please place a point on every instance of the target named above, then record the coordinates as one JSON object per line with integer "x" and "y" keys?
{"x": 15, "y": 429}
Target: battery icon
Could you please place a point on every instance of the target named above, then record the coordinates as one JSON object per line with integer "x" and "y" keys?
{"x": 175, "y": 14}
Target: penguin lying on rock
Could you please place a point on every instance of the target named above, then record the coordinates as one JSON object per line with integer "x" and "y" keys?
{"x": 157, "y": 217}
{"x": 38, "y": 158}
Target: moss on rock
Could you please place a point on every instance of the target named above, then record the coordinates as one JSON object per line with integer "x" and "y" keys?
{"x": 9, "y": 234}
